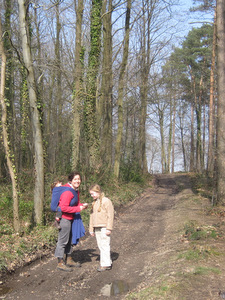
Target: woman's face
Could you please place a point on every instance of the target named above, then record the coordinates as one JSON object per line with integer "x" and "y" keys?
{"x": 76, "y": 181}
{"x": 94, "y": 195}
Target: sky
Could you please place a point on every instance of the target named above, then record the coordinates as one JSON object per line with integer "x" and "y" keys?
{"x": 186, "y": 20}
{"x": 194, "y": 19}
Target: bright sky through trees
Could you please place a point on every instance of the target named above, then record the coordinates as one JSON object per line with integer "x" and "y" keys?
{"x": 184, "y": 21}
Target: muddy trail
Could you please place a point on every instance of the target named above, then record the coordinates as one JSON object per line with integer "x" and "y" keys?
{"x": 140, "y": 243}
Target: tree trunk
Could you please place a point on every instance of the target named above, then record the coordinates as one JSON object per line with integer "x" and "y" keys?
{"x": 192, "y": 147}
{"x": 120, "y": 92}
{"x": 162, "y": 139}
{"x": 106, "y": 94}
{"x": 9, "y": 159}
{"x": 58, "y": 78}
{"x": 173, "y": 137}
{"x": 170, "y": 136}
{"x": 144, "y": 73}
{"x": 182, "y": 141}
{"x": 9, "y": 81}
{"x": 77, "y": 85}
{"x": 221, "y": 102}
{"x": 35, "y": 118}
{"x": 91, "y": 130}
{"x": 211, "y": 159}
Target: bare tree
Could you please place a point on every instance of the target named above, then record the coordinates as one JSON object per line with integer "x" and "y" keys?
{"x": 9, "y": 156}
{"x": 211, "y": 145}
{"x": 36, "y": 127}
{"x": 121, "y": 92}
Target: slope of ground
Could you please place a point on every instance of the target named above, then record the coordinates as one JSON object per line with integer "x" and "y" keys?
{"x": 164, "y": 246}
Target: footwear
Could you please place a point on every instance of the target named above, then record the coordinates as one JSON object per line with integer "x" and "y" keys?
{"x": 102, "y": 269}
{"x": 71, "y": 263}
{"x": 61, "y": 266}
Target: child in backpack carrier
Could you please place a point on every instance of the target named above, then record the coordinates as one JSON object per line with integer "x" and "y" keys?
{"x": 58, "y": 213}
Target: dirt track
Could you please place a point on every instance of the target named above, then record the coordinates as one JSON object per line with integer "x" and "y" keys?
{"x": 138, "y": 240}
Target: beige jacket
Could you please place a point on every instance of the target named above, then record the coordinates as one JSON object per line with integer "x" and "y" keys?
{"x": 105, "y": 217}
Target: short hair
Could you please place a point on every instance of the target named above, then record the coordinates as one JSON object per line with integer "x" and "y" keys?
{"x": 54, "y": 184}
{"x": 72, "y": 175}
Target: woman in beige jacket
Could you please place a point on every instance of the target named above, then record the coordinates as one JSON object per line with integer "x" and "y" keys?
{"x": 101, "y": 225}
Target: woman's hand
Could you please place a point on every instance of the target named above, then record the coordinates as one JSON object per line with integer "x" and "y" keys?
{"x": 108, "y": 232}
{"x": 84, "y": 206}
{"x": 92, "y": 233}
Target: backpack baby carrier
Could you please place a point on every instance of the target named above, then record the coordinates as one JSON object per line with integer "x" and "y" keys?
{"x": 56, "y": 194}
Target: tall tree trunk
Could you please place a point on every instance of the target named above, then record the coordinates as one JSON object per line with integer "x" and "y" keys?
{"x": 106, "y": 94}
{"x": 91, "y": 130}
{"x": 162, "y": 139}
{"x": 120, "y": 92}
{"x": 144, "y": 73}
{"x": 77, "y": 84}
{"x": 170, "y": 136}
{"x": 198, "y": 138}
{"x": 59, "y": 144}
{"x": 192, "y": 147}
{"x": 221, "y": 101}
{"x": 211, "y": 159}
{"x": 173, "y": 137}
{"x": 9, "y": 81}
{"x": 9, "y": 159}
{"x": 182, "y": 140}
{"x": 35, "y": 118}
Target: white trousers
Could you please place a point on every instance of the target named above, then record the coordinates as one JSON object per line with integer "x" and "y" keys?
{"x": 103, "y": 242}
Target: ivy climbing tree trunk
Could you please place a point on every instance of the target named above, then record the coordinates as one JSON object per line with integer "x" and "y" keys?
{"x": 9, "y": 80}
{"x": 79, "y": 7}
{"x": 91, "y": 130}
{"x": 121, "y": 92}
{"x": 105, "y": 106}
{"x": 10, "y": 163}
{"x": 35, "y": 118}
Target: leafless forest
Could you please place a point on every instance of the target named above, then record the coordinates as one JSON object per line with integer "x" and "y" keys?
{"x": 110, "y": 88}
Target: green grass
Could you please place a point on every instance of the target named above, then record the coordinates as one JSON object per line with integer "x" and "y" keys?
{"x": 198, "y": 253}
{"x": 206, "y": 271}
{"x": 193, "y": 231}
{"x": 165, "y": 290}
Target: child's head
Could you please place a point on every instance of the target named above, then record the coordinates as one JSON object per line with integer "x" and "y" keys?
{"x": 55, "y": 184}
{"x": 95, "y": 191}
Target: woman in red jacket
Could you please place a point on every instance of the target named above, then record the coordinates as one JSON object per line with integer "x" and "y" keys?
{"x": 64, "y": 245}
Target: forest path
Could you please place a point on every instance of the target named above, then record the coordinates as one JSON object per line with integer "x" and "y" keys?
{"x": 144, "y": 238}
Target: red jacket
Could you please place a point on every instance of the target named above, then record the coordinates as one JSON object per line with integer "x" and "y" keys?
{"x": 64, "y": 203}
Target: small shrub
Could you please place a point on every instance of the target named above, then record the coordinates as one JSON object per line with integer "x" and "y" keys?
{"x": 195, "y": 232}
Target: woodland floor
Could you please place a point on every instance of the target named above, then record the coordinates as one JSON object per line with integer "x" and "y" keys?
{"x": 152, "y": 257}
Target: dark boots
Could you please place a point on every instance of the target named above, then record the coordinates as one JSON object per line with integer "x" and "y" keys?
{"x": 62, "y": 266}
{"x": 68, "y": 264}
{"x": 71, "y": 263}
